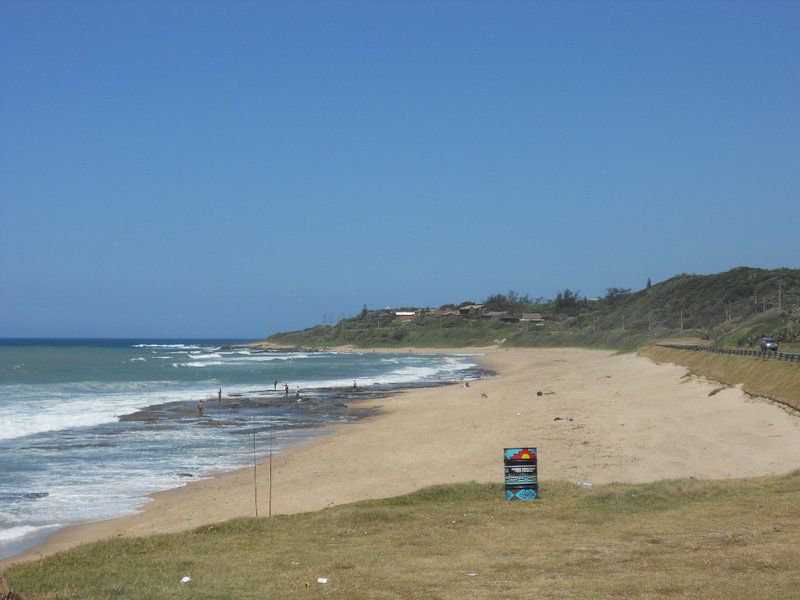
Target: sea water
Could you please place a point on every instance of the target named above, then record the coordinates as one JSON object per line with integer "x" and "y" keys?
{"x": 76, "y": 444}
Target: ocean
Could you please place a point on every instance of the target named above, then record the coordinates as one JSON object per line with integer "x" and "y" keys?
{"x": 89, "y": 427}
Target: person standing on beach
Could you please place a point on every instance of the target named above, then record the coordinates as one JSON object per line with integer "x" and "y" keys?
{"x": 219, "y": 394}
{"x": 286, "y": 389}
{"x": 275, "y": 385}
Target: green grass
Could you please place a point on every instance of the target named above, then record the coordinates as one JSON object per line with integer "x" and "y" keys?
{"x": 690, "y": 538}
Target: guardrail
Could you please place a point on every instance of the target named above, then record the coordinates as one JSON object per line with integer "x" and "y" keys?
{"x": 787, "y": 356}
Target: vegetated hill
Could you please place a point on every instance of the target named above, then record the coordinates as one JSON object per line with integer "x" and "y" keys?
{"x": 732, "y": 308}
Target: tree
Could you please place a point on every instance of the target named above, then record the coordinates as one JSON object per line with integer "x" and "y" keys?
{"x": 511, "y": 302}
{"x": 613, "y": 294}
{"x": 567, "y": 298}
{"x": 649, "y": 283}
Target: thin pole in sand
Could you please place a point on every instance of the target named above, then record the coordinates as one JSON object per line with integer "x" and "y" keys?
{"x": 255, "y": 485}
{"x": 269, "y": 504}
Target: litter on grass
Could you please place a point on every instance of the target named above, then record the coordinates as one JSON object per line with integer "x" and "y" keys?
{"x": 322, "y": 580}
{"x": 186, "y": 579}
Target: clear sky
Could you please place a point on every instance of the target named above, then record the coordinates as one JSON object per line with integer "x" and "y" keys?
{"x": 236, "y": 168}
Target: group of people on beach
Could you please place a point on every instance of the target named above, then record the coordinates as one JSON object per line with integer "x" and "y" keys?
{"x": 285, "y": 387}
{"x": 201, "y": 404}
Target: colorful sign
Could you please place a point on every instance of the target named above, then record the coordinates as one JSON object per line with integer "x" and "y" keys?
{"x": 521, "y": 470}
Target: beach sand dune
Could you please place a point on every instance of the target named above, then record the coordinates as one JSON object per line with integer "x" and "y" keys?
{"x": 601, "y": 417}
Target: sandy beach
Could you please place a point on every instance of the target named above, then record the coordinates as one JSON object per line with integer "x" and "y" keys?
{"x": 602, "y": 418}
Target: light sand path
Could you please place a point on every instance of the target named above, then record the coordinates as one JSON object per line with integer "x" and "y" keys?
{"x": 623, "y": 418}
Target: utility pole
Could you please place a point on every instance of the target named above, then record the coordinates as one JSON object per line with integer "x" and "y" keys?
{"x": 681, "y": 318}
{"x": 780, "y": 284}
{"x": 623, "y": 321}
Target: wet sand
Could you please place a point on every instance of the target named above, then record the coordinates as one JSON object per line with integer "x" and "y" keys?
{"x": 601, "y": 417}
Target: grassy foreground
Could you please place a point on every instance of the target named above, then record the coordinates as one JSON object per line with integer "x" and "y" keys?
{"x": 761, "y": 377}
{"x": 722, "y": 539}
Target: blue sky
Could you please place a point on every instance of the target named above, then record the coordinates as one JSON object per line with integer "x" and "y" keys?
{"x": 236, "y": 168}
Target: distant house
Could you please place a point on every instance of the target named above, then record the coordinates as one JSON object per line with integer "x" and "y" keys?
{"x": 493, "y": 314}
{"x": 534, "y": 318}
{"x": 405, "y": 315}
{"x": 471, "y": 310}
{"x": 499, "y": 315}
{"x": 443, "y": 312}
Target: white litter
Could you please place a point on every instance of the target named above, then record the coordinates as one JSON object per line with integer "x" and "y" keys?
{"x": 585, "y": 485}
{"x": 322, "y": 580}
{"x": 186, "y": 579}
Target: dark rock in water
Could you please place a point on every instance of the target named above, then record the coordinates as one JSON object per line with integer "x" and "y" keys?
{"x": 15, "y": 496}
{"x": 60, "y": 447}
{"x": 36, "y": 495}
{"x": 158, "y": 427}
{"x": 142, "y": 415}
{"x": 158, "y": 412}
{"x": 185, "y": 475}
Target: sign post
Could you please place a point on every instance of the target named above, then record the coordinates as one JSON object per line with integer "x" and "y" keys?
{"x": 522, "y": 477}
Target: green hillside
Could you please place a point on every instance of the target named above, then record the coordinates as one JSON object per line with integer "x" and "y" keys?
{"x": 734, "y": 308}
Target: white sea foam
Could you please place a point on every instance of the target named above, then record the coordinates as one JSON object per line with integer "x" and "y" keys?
{"x": 442, "y": 371}
{"x": 211, "y": 363}
{"x": 23, "y": 530}
{"x": 270, "y": 357}
{"x": 57, "y": 407}
{"x": 172, "y": 346}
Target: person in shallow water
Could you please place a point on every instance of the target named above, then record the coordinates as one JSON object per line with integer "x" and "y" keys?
{"x": 275, "y": 385}
{"x": 286, "y": 389}
{"x": 200, "y": 408}
{"x": 219, "y": 394}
